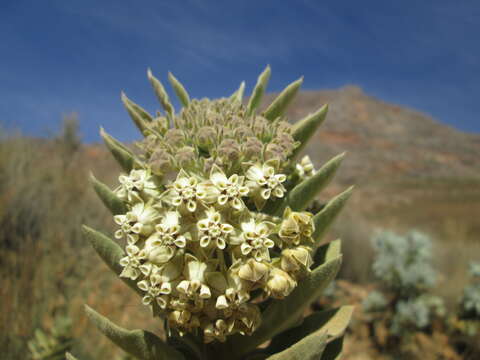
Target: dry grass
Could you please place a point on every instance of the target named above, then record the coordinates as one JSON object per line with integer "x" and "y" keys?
{"x": 46, "y": 266}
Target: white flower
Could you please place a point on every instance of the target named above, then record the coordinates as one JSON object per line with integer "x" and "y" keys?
{"x": 194, "y": 287}
{"x": 255, "y": 240}
{"x": 137, "y": 182}
{"x": 131, "y": 262}
{"x": 229, "y": 191}
{"x": 158, "y": 283}
{"x": 162, "y": 245}
{"x": 264, "y": 183}
{"x": 305, "y": 168}
{"x": 185, "y": 192}
{"x": 138, "y": 221}
{"x": 212, "y": 231}
{"x": 230, "y": 288}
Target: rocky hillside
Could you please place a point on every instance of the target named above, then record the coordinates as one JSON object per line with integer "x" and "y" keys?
{"x": 385, "y": 139}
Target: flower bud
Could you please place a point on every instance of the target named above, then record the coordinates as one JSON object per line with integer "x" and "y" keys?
{"x": 280, "y": 284}
{"x": 253, "y": 271}
{"x": 297, "y": 259}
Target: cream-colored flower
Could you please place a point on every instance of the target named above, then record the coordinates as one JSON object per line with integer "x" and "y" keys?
{"x": 255, "y": 239}
{"x": 162, "y": 245}
{"x": 138, "y": 182}
{"x": 194, "y": 286}
{"x": 131, "y": 262}
{"x": 304, "y": 168}
{"x": 159, "y": 281}
{"x": 279, "y": 284}
{"x": 253, "y": 271}
{"x": 296, "y": 259}
{"x": 262, "y": 179}
{"x": 185, "y": 192}
{"x": 296, "y": 227}
{"x": 229, "y": 191}
{"x": 230, "y": 290}
{"x": 213, "y": 231}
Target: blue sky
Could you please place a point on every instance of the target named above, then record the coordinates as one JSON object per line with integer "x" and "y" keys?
{"x": 63, "y": 56}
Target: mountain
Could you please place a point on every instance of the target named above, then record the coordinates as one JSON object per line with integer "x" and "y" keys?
{"x": 384, "y": 139}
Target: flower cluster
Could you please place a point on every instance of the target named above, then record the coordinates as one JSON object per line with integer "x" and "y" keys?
{"x": 197, "y": 242}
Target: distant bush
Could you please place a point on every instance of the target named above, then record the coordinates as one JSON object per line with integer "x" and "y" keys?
{"x": 404, "y": 303}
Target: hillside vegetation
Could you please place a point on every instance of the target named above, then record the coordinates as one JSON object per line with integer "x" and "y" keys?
{"x": 410, "y": 172}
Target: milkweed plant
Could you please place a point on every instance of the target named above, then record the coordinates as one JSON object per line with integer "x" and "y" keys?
{"x": 214, "y": 231}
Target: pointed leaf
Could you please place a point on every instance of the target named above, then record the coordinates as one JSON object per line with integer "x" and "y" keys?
{"x": 140, "y": 343}
{"x": 308, "y": 348}
{"x": 327, "y": 252}
{"x": 333, "y": 351}
{"x": 108, "y": 197}
{"x": 258, "y": 91}
{"x": 110, "y": 252}
{"x": 120, "y": 152}
{"x": 70, "y": 356}
{"x": 139, "y": 116}
{"x": 282, "y": 314}
{"x": 180, "y": 91}
{"x": 280, "y": 104}
{"x": 238, "y": 95}
{"x": 325, "y": 217}
{"x": 304, "y": 129}
{"x": 305, "y": 192}
{"x": 331, "y": 322}
{"x": 161, "y": 94}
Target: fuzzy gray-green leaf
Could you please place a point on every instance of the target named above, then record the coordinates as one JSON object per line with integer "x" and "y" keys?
{"x": 325, "y": 217}
{"x": 142, "y": 344}
{"x": 282, "y": 314}
{"x": 281, "y": 102}
{"x": 119, "y": 151}
{"x": 179, "y": 89}
{"x": 161, "y": 94}
{"x": 327, "y": 252}
{"x": 310, "y": 347}
{"x": 238, "y": 94}
{"x": 139, "y": 116}
{"x": 331, "y": 322}
{"x": 110, "y": 252}
{"x": 333, "y": 351}
{"x": 258, "y": 91}
{"x": 305, "y": 192}
{"x": 70, "y": 356}
{"x": 304, "y": 129}
{"x": 108, "y": 197}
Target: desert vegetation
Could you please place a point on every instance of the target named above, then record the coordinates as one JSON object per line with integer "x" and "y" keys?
{"x": 48, "y": 271}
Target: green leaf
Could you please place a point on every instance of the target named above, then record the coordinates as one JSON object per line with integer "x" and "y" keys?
{"x": 161, "y": 94}
{"x": 327, "y": 252}
{"x": 140, "y": 343}
{"x": 110, "y": 252}
{"x": 308, "y": 348}
{"x": 108, "y": 197}
{"x": 305, "y": 192}
{"x": 325, "y": 217}
{"x": 139, "y": 116}
{"x": 280, "y": 104}
{"x": 70, "y": 356}
{"x": 238, "y": 95}
{"x": 120, "y": 152}
{"x": 333, "y": 351}
{"x": 282, "y": 314}
{"x": 179, "y": 89}
{"x": 258, "y": 91}
{"x": 331, "y": 322}
{"x": 304, "y": 129}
